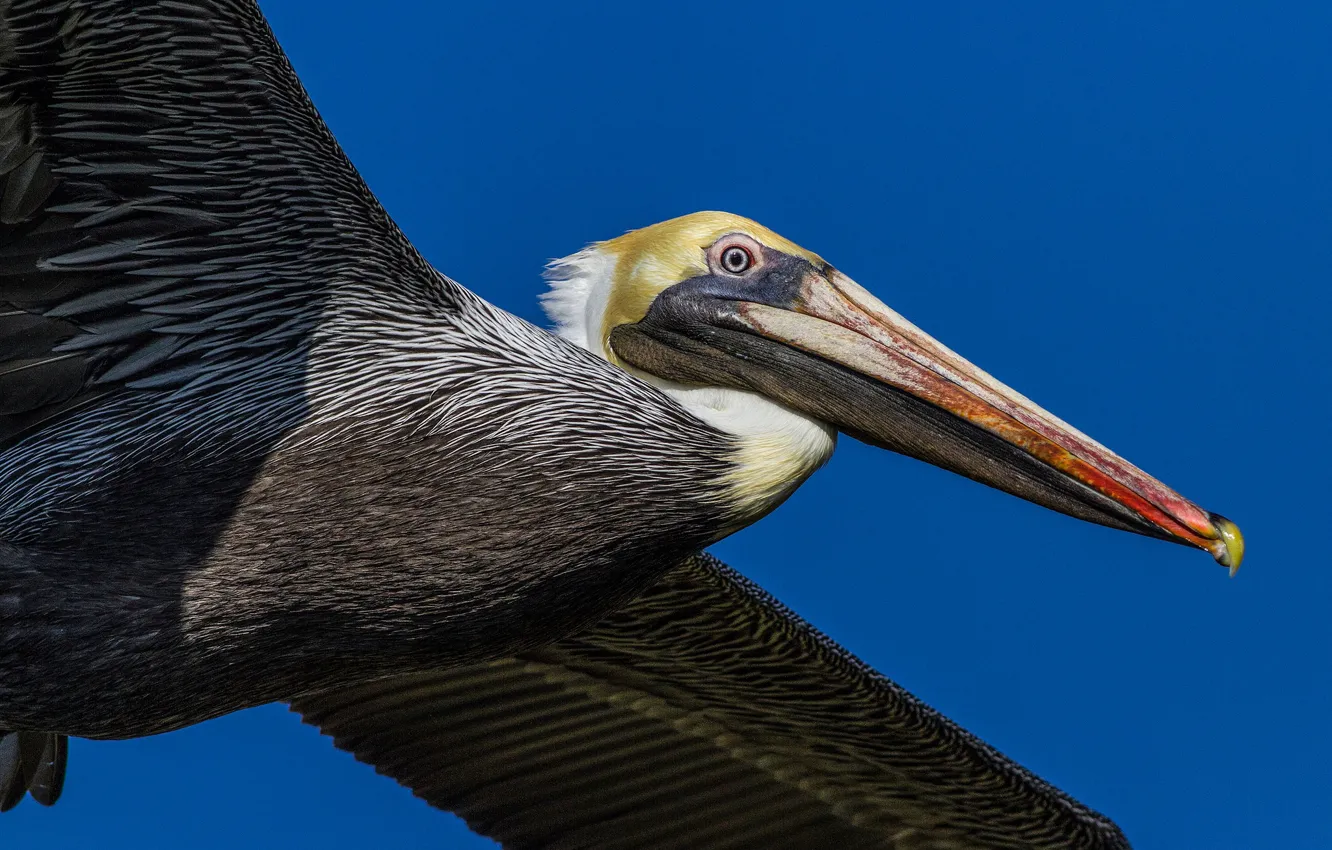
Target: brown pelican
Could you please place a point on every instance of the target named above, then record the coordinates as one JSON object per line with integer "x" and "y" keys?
{"x": 253, "y": 448}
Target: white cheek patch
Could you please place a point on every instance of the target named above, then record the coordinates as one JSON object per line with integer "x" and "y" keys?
{"x": 579, "y": 291}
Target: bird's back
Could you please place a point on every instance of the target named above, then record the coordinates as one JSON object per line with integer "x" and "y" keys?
{"x": 250, "y": 441}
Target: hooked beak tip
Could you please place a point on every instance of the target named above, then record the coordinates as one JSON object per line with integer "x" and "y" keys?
{"x": 1229, "y": 547}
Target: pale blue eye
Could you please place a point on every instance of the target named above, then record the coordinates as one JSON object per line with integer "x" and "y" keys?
{"x": 736, "y": 259}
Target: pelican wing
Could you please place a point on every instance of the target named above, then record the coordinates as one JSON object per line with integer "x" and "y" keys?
{"x": 705, "y": 714}
{"x": 173, "y": 218}
{"x": 172, "y": 208}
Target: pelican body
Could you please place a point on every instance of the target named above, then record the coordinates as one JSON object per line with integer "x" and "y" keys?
{"x": 253, "y": 446}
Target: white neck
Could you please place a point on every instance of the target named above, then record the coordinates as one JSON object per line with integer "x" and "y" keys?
{"x": 777, "y": 448}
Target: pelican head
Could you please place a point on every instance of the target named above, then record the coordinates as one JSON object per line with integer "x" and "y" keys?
{"x": 770, "y": 344}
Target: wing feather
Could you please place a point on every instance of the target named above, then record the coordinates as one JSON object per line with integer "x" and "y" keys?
{"x": 171, "y": 205}
{"x": 173, "y": 214}
{"x": 31, "y": 763}
{"x": 703, "y": 715}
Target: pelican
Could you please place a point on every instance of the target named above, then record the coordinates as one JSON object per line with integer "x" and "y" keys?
{"x": 253, "y": 448}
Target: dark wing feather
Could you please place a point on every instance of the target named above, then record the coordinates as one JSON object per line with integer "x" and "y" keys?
{"x": 703, "y": 715}
{"x": 31, "y": 763}
{"x": 170, "y": 202}
{"x": 173, "y": 214}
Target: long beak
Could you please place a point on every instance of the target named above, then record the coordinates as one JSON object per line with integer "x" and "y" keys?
{"x": 836, "y": 352}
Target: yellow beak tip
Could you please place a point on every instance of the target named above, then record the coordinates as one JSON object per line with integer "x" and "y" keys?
{"x": 1231, "y": 554}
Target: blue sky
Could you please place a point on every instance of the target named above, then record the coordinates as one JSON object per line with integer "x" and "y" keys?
{"x": 1122, "y": 210}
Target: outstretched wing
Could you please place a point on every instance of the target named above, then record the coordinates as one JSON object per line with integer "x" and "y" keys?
{"x": 174, "y": 220}
{"x": 705, "y": 714}
{"x": 172, "y": 209}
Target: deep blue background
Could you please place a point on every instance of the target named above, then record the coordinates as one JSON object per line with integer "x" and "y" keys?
{"x": 1123, "y": 212}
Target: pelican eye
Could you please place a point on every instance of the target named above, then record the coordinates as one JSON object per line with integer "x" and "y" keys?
{"x": 736, "y": 259}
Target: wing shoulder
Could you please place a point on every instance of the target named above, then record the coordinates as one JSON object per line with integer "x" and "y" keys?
{"x": 171, "y": 205}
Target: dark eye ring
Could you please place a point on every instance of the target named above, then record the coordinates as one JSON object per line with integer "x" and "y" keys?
{"x": 736, "y": 259}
